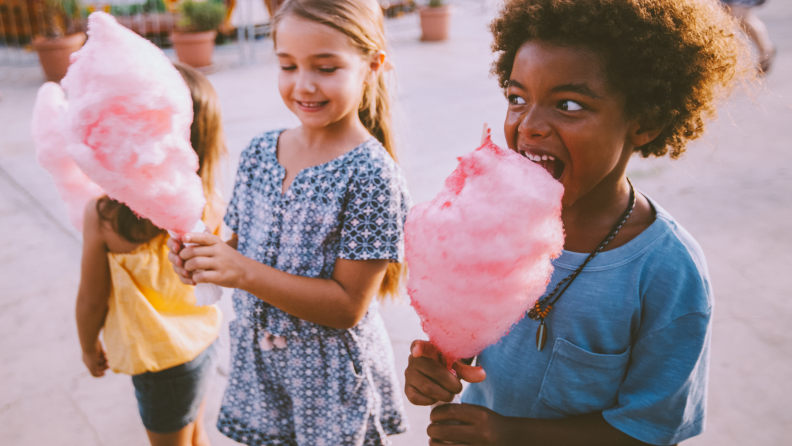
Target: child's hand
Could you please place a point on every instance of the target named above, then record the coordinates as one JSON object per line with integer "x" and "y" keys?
{"x": 175, "y": 246}
{"x": 427, "y": 380}
{"x": 213, "y": 261}
{"x": 469, "y": 424}
{"x": 96, "y": 360}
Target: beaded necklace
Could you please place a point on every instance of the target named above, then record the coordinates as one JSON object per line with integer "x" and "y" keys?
{"x": 537, "y": 313}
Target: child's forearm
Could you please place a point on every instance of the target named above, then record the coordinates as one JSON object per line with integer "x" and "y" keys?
{"x": 338, "y": 302}
{"x": 584, "y": 430}
{"x": 90, "y": 320}
{"x": 321, "y": 301}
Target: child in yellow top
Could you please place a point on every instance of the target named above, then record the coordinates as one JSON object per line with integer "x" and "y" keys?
{"x": 152, "y": 328}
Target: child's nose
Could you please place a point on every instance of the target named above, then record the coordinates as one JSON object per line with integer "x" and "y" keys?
{"x": 305, "y": 83}
{"x": 534, "y": 123}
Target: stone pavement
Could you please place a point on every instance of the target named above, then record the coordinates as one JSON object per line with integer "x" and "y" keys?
{"x": 732, "y": 192}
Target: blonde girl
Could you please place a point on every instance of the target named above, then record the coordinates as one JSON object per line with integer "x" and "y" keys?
{"x": 152, "y": 328}
{"x": 317, "y": 215}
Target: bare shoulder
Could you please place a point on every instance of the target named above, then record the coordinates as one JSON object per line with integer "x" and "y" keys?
{"x": 100, "y": 230}
{"x": 92, "y": 222}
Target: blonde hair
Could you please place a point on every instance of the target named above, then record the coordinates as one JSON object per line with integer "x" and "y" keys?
{"x": 362, "y": 21}
{"x": 206, "y": 133}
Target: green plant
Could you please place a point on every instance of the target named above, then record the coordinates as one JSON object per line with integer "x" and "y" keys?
{"x": 436, "y": 3}
{"x": 61, "y": 16}
{"x": 200, "y": 16}
{"x": 144, "y": 7}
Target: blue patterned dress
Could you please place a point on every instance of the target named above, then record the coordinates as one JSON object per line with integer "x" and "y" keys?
{"x": 326, "y": 386}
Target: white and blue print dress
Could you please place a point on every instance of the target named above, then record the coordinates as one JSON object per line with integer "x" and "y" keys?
{"x": 294, "y": 382}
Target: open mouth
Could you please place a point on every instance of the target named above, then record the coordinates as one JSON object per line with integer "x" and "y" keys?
{"x": 311, "y": 106}
{"x": 553, "y": 166}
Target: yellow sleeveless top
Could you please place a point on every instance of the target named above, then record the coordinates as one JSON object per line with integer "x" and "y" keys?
{"x": 152, "y": 321}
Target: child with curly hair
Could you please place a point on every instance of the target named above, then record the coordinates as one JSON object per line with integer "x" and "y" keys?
{"x": 617, "y": 351}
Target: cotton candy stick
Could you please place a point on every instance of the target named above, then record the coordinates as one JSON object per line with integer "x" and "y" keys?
{"x": 480, "y": 252}
{"x": 75, "y": 188}
{"x": 127, "y": 126}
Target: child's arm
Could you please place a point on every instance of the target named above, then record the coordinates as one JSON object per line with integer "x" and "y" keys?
{"x": 94, "y": 292}
{"x": 484, "y": 427}
{"x": 338, "y": 302}
{"x": 427, "y": 381}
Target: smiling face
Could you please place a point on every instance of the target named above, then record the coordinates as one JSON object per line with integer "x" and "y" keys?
{"x": 564, "y": 115}
{"x": 322, "y": 73}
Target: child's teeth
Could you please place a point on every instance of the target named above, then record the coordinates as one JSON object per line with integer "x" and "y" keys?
{"x": 551, "y": 158}
{"x": 544, "y": 157}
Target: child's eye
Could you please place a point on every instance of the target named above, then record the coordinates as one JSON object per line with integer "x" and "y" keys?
{"x": 516, "y": 100}
{"x": 288, "y": 67}
{"x": 327, "y": 69}
{"x": 569, "y": 106}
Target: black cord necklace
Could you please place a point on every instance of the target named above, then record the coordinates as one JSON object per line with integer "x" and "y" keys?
{"x": 538, "y": 313}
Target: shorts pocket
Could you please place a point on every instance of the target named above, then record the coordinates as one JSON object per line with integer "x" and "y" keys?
{"x": 578, "y": 382}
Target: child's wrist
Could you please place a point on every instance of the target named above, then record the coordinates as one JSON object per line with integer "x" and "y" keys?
{"x": 243, "y": 282}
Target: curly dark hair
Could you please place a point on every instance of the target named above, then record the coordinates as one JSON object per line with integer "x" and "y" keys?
{"x": 672, "y": 59}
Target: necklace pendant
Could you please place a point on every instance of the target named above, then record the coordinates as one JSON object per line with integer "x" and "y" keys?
{"x": 541, "y": 336}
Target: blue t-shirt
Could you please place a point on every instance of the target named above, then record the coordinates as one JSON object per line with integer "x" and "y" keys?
{"x": 630, "y": 338}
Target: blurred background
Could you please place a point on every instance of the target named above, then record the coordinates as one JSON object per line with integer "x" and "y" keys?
{"x": 732, "y": 191}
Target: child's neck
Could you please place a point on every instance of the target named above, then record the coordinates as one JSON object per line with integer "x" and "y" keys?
{"x": 345, "y": 133}
{"x": 590, "y": 218}
{"x": 306, "y": 146}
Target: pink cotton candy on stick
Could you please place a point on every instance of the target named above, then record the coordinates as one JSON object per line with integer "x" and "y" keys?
{"x": 127, "y": 126}
{"x": 75, "y": 188}
{"x": 479, "y": 253}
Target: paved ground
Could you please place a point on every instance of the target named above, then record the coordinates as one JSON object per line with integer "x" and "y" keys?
{"x": 732, "y": 192}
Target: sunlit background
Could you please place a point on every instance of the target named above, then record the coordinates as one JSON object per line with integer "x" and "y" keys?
{"x": 732, "y": 192}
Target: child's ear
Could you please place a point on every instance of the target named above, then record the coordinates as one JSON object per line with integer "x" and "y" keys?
{"x": 643, "y": 131}
{"x": 379, "y": 62}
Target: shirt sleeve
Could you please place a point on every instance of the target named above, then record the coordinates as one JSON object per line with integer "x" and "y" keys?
{"x": 373, "y": 225}
{"x": 662, "y": 400}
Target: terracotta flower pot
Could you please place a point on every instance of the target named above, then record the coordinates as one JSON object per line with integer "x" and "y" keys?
{"x": 435, "y": 23}
{"x": 54, "y": 54}
{"x": 195, "y": 49}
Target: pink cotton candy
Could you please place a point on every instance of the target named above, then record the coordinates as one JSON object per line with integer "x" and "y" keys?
{"x": 127, "y": 125}
{"x": 479, "y": 253}
{"x": 75, "y": 188}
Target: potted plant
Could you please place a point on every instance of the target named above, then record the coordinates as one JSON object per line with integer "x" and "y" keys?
{"x": 197, "y": 30}
{"x": 435, "y": 21}
{"x": 62, "y": 35}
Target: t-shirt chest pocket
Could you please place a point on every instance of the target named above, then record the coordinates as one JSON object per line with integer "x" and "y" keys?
{"x": 578, "y": 382}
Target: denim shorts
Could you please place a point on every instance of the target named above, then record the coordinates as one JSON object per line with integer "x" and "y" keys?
{"x": 170, "y": 399}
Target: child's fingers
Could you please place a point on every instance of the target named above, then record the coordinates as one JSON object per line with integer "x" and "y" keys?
{"x": 199, "y": 263}
{"x": 420, "y": 348}
{"x": 463, "y": 413}
{"x": 203, "y": 251}
{"x": 174, "y": 245}
{"x": 206, "y": 277}
{"x": 184, "y": 275}
{"x": 426, "y": 377}
{"x": 469, "y": 373}
{"x": 445, "y": 434}
{"x": 175, "y": 260}
{"x": 186, "y": 281}
{"x": 416, "y": 397}
{"x": 201, "y": 239}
